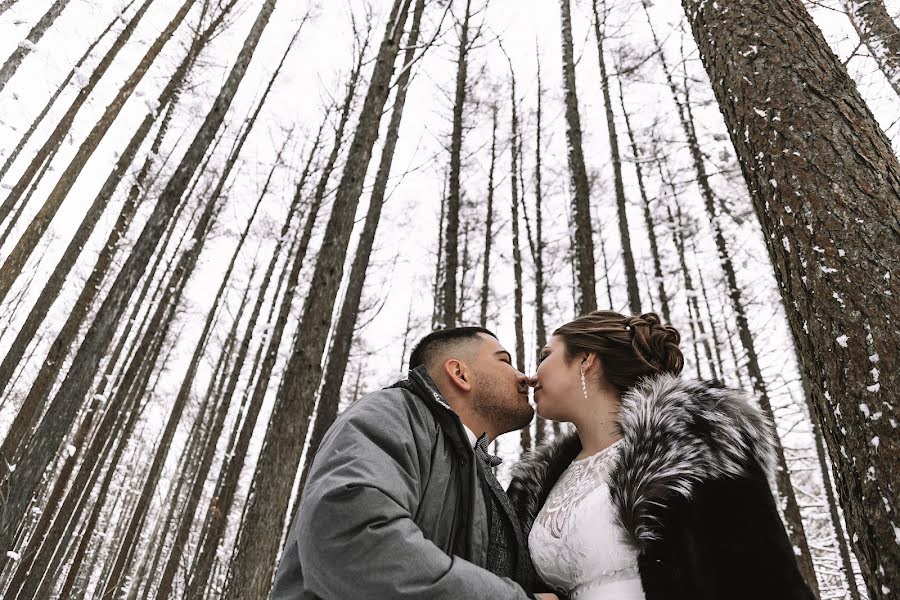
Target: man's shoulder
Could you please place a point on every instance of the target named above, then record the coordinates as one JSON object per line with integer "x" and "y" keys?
{"x": 391, "y": 404}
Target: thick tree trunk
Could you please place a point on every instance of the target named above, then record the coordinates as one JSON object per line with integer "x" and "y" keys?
{"x": 29, "y": 239}
{"x": 631, "y": 284}
{"x": 581, "y": 230}
{"x": 828, "y": 206}
{"x": 34, "y": 36}
{"x": 259, "y": 540}
{"x": 451, "y": 238}
{"x": 342, "y": 341}
{"x": 42, "y": 448}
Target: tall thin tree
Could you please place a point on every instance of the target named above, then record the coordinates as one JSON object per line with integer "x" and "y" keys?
{"x": 582, "y": 227}
{"x": 451, "y": 237}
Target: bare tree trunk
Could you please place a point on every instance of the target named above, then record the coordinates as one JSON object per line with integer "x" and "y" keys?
{"x": 717, "y": 345}
{"x": 451, "y": 241}
{"x": 437, "y": 292}
{"x": 648, "y": 215}
{"x": 828, "y": 210}
{"x": 34, "y": 36}
{"x": 13, "y": 264}
{"x": 489, "y": 223}
{"x": 42, "y": 448}
{"x": 514, "y": 150}
{"x": 631, "y": 284}
{"x": 48, "y": 149}
{"x": 878, "y": 31}
{"x": 329, "y": 397}
{"x": 536, "y": 245}
{"x": 581, "y": 233}
{"x": 258, "y": 543}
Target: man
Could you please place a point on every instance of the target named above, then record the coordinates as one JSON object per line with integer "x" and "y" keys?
{"x": 400, "y": 501}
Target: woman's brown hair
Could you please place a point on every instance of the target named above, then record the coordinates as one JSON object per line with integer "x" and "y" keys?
{"x": 629, "y": 347}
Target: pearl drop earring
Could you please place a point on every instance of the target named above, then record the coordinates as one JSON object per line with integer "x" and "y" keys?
{"x": 583, "y": 384}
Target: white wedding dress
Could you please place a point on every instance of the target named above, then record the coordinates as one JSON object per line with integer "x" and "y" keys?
{"x": 575, "y": 542}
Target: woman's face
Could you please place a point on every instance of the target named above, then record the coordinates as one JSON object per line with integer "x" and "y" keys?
{"x": 557, "y": 383}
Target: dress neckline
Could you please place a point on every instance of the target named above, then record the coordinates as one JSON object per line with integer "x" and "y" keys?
{"x": 597, "y": 454}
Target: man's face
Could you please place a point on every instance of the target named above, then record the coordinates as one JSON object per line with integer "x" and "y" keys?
{"x": 500, "y": 391}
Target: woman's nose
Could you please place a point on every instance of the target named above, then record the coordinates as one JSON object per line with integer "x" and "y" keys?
{"x": 533, "y": 381}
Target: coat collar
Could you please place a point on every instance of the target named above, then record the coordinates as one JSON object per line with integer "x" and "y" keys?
{"x": 420, "y": 383}
{"x": 676, "y": 434}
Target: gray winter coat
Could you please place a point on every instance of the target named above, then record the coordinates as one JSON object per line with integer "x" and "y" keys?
{"x": 392, "y": 507}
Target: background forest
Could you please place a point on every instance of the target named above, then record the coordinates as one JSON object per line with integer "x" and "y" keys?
{"x": 222, "y": 221}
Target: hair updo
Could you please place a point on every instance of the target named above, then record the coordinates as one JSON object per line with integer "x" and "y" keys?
{"x": 629, "y": 347}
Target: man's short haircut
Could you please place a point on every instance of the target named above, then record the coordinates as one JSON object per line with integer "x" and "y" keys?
{"x": 441, "y": 341}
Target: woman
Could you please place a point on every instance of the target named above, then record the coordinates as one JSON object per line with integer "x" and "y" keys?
{"x": 662, "y": 493}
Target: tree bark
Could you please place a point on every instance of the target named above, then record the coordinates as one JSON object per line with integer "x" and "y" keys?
{"x": 34, "y": 36}
{"x": 631, "y": 284}
{"x": 42, "y": 448}
{"x": 828, "y": 206}
{"x": 258, "y": 544}
{"x": 581, "y": 231}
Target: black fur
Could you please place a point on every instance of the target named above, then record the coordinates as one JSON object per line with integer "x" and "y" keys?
{"x": 690, "y": 490}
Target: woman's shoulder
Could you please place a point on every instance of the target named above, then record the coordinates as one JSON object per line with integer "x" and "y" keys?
{"x": 677, "y": 434}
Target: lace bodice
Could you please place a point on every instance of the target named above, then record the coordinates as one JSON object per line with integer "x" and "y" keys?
{"x": 575, "y": 542}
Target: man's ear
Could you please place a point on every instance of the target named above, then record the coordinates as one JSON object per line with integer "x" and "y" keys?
{"x": 458, "y": 374}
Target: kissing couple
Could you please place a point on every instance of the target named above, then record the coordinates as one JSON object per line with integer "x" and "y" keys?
{"x": 660, "y": 493}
